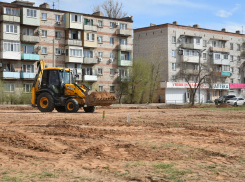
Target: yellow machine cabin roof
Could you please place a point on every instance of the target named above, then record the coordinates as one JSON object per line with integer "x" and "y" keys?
{"x": 55, "y": 68}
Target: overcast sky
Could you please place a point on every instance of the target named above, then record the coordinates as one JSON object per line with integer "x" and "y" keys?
{"x": 210, "y": 14}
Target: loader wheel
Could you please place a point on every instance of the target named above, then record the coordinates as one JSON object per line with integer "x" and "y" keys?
{"x": 60, "y": 108}
{"x": 90, "y": 109}
{"x": 45, "y": 102}
{"x": 72, "y": 105}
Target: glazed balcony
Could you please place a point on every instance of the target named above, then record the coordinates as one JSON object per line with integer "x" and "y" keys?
{"x": 10, "y": 18}
{"x": 34, "y": 57}
{"x": 10, "y": 75}
{"x": 124, "y": 32}
{"x": 90, "y": 28}
{"x": 74, "y": 42}
{"x": 24, "y": 75}
{"x": 90, "y": 60}
{"x": 27, "y": 38}
{"x": 219, "y": 49}
{"x": 125, "y": 47}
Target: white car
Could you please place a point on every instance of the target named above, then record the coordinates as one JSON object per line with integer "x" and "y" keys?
{"x": 236, "y": 101}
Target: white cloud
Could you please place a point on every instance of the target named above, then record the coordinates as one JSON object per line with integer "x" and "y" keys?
{"x": 225, "y": 14}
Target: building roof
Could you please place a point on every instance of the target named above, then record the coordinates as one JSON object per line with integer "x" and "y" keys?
{"x": 169, "y": 25}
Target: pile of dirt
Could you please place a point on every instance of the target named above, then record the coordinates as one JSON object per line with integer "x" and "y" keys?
{"x": 224, "y": 105}
{"x": 102, "y": 96}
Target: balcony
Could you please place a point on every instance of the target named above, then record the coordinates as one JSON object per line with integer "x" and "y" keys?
{"x": 219, "y": 49}
{"x": 10, "y": 75}
{"x": 221, "y": 61}
{"x": 191, "y": 46}
{"x": 90, "y": 78}
{"x": 125, "y": 63}
{"x": 90, "y": 28}
{"x": 190, "y": 59}
{"x": 190, "y": 72}
{"x": 225, "y": 73}
{"x": 27, "y": 38}
{"x": 125, "y": 47}
{"x": 90, "y": 60}
{"x": 124, "y": 32}
{"x": 34, "y": 57}
{"x": 9, "y": 18}
{"x": 27, "y": 75}
{"x": 74, "y": 42}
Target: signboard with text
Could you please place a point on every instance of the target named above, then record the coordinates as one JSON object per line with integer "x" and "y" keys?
{"x": 182, "y": 85}
{"x": 221, "y": 86}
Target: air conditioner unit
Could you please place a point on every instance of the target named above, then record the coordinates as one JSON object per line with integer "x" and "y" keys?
{"x": 1, "y": 65}
{"x": 111, "y": 60}
{"x": 100, "y": 59}
{"x": 180, "y": 52}
{"x": 39, "y": 31}
{"x": 117, "y": 23}
{"x": 210, "y": 54}
{"x": 58, "y": 22}
{"x": 117, "y": 70}
{"x": 39, "y": 47}
{"x": 63, "y": 51}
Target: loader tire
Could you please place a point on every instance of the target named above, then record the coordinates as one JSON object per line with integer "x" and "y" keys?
{"x": 45, "y": 102}
{"x": 60, "y": 108}
{"x": 90, "y": 109}
{"x": 72, "y": 105}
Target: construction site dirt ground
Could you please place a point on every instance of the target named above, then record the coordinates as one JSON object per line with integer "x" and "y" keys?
{"x": 157, "y": 144}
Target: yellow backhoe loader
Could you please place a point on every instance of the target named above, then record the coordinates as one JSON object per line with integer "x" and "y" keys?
{"x": 55, "y": 88}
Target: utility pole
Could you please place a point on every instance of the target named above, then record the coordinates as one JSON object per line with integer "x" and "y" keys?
{"x": 199, "y": 74}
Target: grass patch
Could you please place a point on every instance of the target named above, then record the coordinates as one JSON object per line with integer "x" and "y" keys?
{"x": 12, "y": 179}
{"x": 239, "y": 108}
{"x": 46, "y": 175}
{"x": 163, "y": 165}
{"x": 138, "y": 163}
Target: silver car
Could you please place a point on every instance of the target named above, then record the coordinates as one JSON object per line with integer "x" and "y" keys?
{"x": 236, "y": 101}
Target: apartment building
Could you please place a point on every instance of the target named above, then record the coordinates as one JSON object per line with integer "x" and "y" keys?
{"x": 97, "y": 48}
{"x": 181, "y": 45}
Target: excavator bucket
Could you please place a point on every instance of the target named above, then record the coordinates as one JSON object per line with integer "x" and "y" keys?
{"x": 101, "y": 98}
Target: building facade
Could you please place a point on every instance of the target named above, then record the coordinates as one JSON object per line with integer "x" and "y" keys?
{"x": 97, "y": 48}
{"x": 180, "y": 46}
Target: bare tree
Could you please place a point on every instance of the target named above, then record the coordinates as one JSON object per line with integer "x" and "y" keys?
{"x": 110, "y": 8}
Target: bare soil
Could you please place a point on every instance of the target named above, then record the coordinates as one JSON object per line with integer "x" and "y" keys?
{"x": 155, "y": 144}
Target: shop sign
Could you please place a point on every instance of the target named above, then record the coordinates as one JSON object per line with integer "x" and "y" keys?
{"x": 221, "y": 86}
{"x": 181, "y": 85}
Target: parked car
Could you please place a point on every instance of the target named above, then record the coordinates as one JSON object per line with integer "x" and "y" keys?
{"x": 223, "y": 99}
{"x": 236, "y": 101}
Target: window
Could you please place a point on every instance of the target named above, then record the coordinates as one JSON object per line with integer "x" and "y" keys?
{"x": 100, "y": 88}
{"x": 100, "y": 71}
{"x": 112, "y": 72}
{"x": 76, "y": 18}
{"x": 57, "y": 51}
{"x": 190, "y": 53}
{"x": 204, "y": 55}
{"x": 173, "y": 66}
{"x": 27, "y": 87}
{"x": 57, "y": 18}
{"x": 28, "y": 68}
{"x": 124, "y": 56}
{"x": 88, "y": 53}
{"x": 100, "y": 54}
{"x": 204, "y": 43}
{"x": 222, "y": 44}
{"x": 174, "y": 78}
{"x": 225, "y": 56}
{"x": 173, "y": 39}
{"x": 88, "y": 21}
{"x": 9, "y": 87}
{"x": 44, "y": 50}
{"x": 239, "y": 70}
{"x": 195, "y": 79}
{"x": 238, "y": 80}
{"x": 195, "y": 53}
{"x": 220, "y": 92}
{"x": 44, "y": 16}
{"x": 231, "y": 46}
{"x": 111, "y": 24}
{"x": 225, "y": 68}
{"x": 76, "y": 52}
{"x": 13, "y": 12}
{"x": 74, "y": 34}
{"x": 57, "y": 35}
{"x": 100, "y": 23}
{"x": 214, "y": 93}
{"x": 217, "y": 56}
{"x": 112, "y": 88}
{"x": 100, "y": 40}
{"x": 214, "y": 43}
{"x": 111, "y": 55}
{"x": 11, "y": 29}
{"x": 231, "y": 80}
{"x": 88, "y": 71}
{"x": 238, "y": 47}
{"x": 123, "y": 41}
{"x": 232, "y": 69}
{"x": 195, "y": 67}
{"x": 31, "y": 13}
{"x": 238, "y": 58}
{"x": 44, "y": 33}
{"x": 123, "y": 73}
{"x": 28, "y": 49}
{"x": 173, "y": 53}
{"x": 11, "y": 46}
{"x": 27, "y": 31}
{"x": 90, "y": 37}
{"x": 231, "y": 57}
{"x": 123, "y": 26}
{"x": 112, "y": 40}
{"x": 198, "y": 40}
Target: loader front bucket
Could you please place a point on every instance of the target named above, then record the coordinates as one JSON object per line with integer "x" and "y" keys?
{"x": 100, "y": 99}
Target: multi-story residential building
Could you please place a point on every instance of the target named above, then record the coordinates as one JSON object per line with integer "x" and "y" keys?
{"x": 98, "y": 48}
{"x": 180, "y": 46}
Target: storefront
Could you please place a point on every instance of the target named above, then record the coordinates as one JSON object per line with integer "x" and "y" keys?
{"x": 237, "y": 89}
{"x": 178, "y": 92}
{"x": 218, "y": 90}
